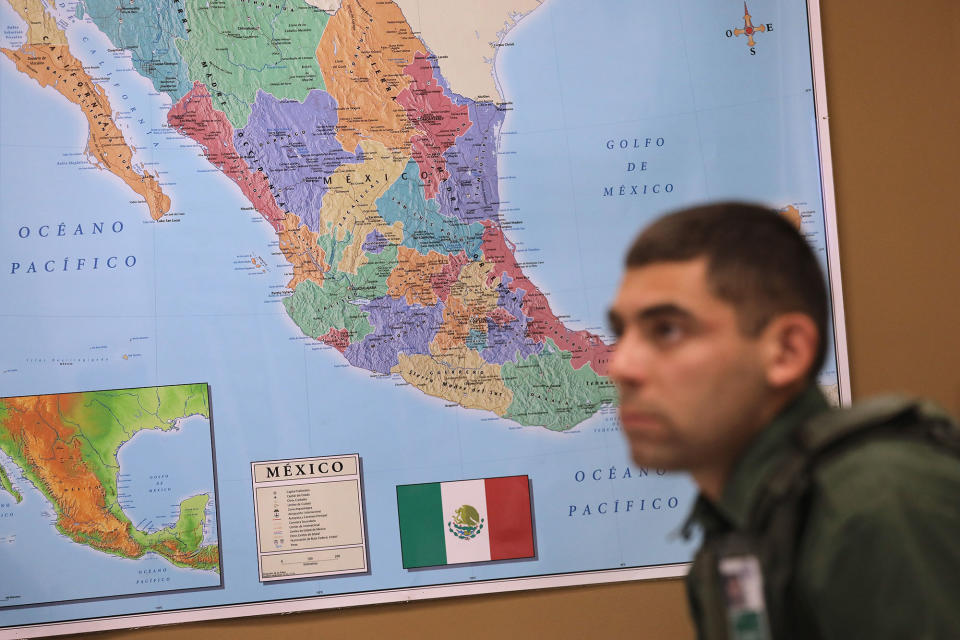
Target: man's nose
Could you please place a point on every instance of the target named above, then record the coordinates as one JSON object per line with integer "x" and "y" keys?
{"x": 627, "y": 361}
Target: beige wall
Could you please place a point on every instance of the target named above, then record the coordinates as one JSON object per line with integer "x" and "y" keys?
{"x": 894, "y": 101}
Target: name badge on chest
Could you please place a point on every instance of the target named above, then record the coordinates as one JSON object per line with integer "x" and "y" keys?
{"x": 741, "y": 581}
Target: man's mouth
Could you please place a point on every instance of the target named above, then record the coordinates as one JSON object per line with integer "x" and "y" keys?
{"x": 640, "y": 422}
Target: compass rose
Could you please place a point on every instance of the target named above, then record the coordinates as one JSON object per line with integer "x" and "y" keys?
{"x": 749, "y": 29}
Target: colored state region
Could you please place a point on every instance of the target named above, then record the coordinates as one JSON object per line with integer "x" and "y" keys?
{"x": 437, "y": 118}
{"x": 424, "y": 228}
{"x": 543, "y": 324}
{"x": 793, "y": 216}
{"x": 471, "y": 192}
{"x": 548, "y": 391}
{"x": 195, "y": 117}
{"x": 300, "y": 248}
{"x": 507, "y": 339}
{"x": 330, "y": 6}
{"x": 469, "y": 43}
{"x": 363, "y": 52}
{"x": 41, "y": 26}
{"x": 293, "y": 142}
{"x": 236, "y": 47}
{"x": 67, "y": 446}
{"x": 147, "y": 29}
{"x": 349, "y": 213}
{"x": 416, "y": 277}
{"x": 350, "y": 206}
{"x": 460, "y": 376}
{"x": 470, "y": 302}
{"x": 340, "y": 303}
{"x": 399, "y": 328}
{"x": 53, "y": 65}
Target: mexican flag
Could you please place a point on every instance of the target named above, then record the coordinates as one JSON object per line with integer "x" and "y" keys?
{"x": 466, "y": 521}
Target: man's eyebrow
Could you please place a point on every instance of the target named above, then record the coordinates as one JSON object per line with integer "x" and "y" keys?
{"x": 667, "y": 309}
{"x": 660, "y": 310}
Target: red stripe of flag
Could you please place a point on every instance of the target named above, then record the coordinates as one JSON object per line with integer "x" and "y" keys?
{"x": 508, "y": 513}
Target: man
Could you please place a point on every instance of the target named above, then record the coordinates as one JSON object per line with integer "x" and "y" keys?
{"x": 817, "y": 523}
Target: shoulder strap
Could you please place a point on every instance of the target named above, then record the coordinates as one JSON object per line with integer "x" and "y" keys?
{"x": 829, "y": 429}
{"x": 832, "y": 432}
{"x": 778, "y": 515}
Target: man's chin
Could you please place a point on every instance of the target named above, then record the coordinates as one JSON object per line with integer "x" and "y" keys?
{"x": 647, "y": 458}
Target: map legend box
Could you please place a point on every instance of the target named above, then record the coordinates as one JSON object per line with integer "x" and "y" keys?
{"x": 309, "y": 517}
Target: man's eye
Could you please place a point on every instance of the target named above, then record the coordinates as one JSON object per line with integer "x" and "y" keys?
{"x": 616, "y": 329}
{"x": 667, "y": 332}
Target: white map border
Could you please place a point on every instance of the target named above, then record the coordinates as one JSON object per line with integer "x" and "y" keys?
{"x": 829, "y": 200}
{"x": 316, "y": 603}
{"x": 297, "y": 605}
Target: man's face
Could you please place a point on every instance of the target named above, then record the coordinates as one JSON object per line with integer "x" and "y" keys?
{"x": 692, "y": 386}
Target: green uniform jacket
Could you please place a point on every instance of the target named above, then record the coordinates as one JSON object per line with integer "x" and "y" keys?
{"x": 878, "y": 554}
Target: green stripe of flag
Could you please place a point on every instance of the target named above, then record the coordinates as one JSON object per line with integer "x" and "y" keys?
{"x": 420, "y": 511}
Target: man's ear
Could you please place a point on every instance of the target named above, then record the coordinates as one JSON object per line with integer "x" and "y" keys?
{"x": 790, "y": 344}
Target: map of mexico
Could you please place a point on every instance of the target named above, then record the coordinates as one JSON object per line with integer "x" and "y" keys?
{"x": 349, "y": 186}
{"x": 368, "y": 228}
{"x": 68, "y": 445}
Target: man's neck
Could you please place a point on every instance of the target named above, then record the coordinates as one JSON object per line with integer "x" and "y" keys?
{"x": 711, "y": 482}
{"x": 711, "y": 479}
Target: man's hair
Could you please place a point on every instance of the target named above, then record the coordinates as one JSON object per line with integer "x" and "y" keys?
{"x": 756, "y": 260}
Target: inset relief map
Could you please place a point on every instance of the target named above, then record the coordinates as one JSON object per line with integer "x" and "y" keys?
{"x": 119, "y": 485}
